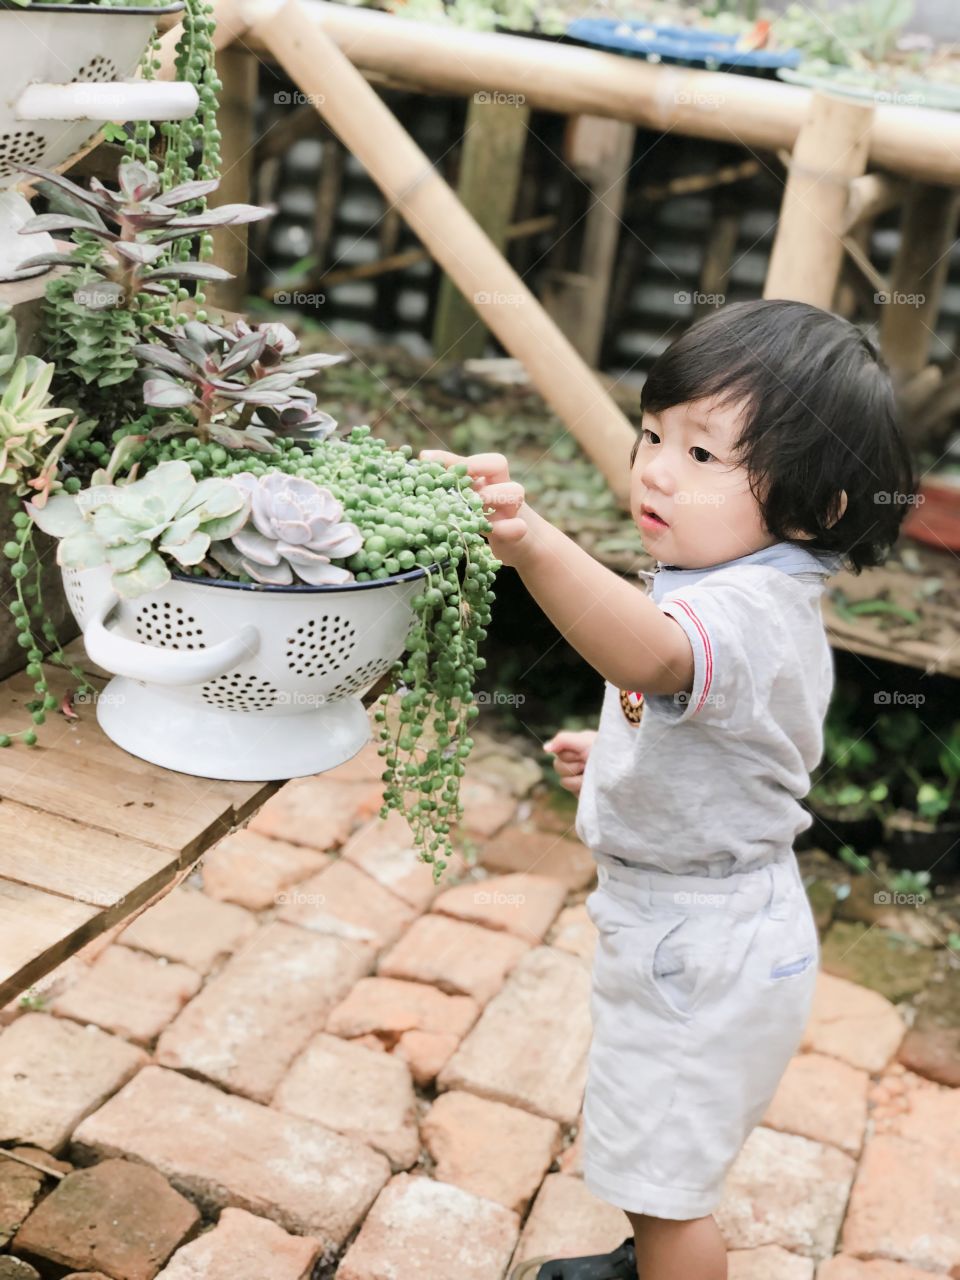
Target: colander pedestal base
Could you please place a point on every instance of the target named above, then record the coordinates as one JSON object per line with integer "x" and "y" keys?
{"x": 236, "y": 746}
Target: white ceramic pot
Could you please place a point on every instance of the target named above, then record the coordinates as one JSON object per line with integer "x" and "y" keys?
{"x": 225, "y": 680}
{"x": 64, "y": 70}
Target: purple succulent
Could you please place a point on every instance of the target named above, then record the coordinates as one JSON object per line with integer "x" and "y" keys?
{"x": 295, "y": 529}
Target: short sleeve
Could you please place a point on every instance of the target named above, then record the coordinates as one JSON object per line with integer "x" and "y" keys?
{"x": 736, "y": 631}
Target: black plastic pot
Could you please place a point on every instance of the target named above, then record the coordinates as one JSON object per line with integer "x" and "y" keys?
{"x": 911, "y": 844}
{"x": 833, "y": 828}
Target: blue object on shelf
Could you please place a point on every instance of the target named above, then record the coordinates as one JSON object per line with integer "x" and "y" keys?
{"x": 691, "y": 45}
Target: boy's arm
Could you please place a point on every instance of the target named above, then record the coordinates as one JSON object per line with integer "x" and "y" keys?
{"x": 624, "y": 636}
{"x": 620, "y": 631}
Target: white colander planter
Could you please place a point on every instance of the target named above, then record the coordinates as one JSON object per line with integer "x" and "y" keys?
{"x": 223, "y": 680}
{"x": 64, "y": 70}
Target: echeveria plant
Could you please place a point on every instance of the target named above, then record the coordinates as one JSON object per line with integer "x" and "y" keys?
{"x": 134, "y": 224}
{"x": 295, "y": 529}
{"x": 236, "y": 386}
{"x": 135, "y": 527}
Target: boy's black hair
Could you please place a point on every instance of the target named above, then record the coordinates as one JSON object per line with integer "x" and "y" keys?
{"x": 820, "y": 417}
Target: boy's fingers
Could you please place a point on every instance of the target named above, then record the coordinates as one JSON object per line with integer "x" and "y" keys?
{"x": 505, "y": 499}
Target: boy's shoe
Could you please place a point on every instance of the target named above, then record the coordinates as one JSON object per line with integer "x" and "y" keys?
{"x": 621, "y": 1264}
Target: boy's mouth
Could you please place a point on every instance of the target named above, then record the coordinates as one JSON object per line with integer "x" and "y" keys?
{"x": 650, "y": 520}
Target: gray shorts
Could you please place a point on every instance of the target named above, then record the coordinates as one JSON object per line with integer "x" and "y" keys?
{"x": 702, "y": 987}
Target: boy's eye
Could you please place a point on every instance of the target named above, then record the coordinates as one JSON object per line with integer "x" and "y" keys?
{"x": 646, "y": 431}
{"x": 697, "y": 450}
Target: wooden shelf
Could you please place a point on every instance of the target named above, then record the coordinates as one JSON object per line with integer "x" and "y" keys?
{"x": 89, "y": 834}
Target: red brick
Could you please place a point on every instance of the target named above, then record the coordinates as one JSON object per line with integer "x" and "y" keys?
{"x": 905, "y": 1204}
{"x": 821, "y": 1098}
{"x": 20, "y": 1187}
{"x": 849, "y": 1022}
{"x": 223, "y": 1150}
{"x": 529, "y": 1048}
{"x": 493, "y": 1150}
{"x": 250, "y": 1021}
{"x": 387, "y": 1007}
{"x": 566, "y": 1221}
{"x": 244, "y": 1247}
{"x": 385, "y": 850}
{"x": 358, "y": 1092}
{"x": 430, "y": 1230}
{"x": 129, "y": 993}
{"x": 787, "y": 1191}
{"x": 318, "y": 812}
{"x": 574, "y": 931}
{"x": 522, "y": 904}
{"x": 426, "y": 1053}
{"x": 486, "y": 809}
{"x": 541, "y": 853}
{"x": 345, "y": 901}
{"x": 123, "y": 1218}
{"x": 191, "y": 927}
{"x": 251, "y": 870}
{"x": 53, "y": 1073}
{"x": 843, "y": 1266}
{"x": 463, "y": 959}
{"x": 769, "y": 1262}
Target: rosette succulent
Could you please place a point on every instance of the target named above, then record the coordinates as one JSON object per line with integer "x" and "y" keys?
{"x": 294, "y": 531}
{"x": 133, "y": 527}
{"x": 26, "y": 416}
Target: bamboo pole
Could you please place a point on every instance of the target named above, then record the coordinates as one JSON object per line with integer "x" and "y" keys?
{"x": 807, "y": 251}
{"x": 917, "y": 142}
{"x": 928, "y": 228}
{"x": 408, "y": 180}
{"x": 238, "y": 71}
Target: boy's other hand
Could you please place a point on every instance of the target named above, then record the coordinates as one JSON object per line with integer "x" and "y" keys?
{"x": 503, "y": 498}
{"x": 571, "y": 750}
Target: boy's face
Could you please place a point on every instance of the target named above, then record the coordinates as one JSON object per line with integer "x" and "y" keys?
{"x": 684, "y": 473}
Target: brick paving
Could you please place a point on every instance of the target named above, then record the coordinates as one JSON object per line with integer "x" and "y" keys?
{"x": 310, "y": 1061}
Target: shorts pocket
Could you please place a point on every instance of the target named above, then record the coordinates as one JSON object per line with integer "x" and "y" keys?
{"x": 794, "y": 946}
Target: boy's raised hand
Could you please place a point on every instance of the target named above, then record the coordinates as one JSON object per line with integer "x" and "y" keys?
{"x": 571, "y": 749}
{"x": 503, "y": 498}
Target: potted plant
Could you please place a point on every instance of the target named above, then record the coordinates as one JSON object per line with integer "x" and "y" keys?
{"x": 847, "y": 798}
{"x": 245, "y": 569}
{"x": 923, "y": 833}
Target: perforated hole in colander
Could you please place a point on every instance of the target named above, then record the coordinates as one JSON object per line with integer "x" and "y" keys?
{"x": 98, "y": 68}
{"x": 321, "y": 646}
{"x": 167, "y": 626}
{"x": 73, "y": 587}
{"x": 361, "y": 679}
{"x": 237, "y": 692}
{"x": 23, "y": 146}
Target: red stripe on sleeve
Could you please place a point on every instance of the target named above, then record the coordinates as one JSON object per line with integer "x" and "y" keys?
{"x": 702, "y": 632}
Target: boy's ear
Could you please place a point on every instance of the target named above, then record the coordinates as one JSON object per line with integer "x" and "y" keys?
{"x": 840, "y": 506}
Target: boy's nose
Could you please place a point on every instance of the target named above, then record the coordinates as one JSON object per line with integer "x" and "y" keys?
{"x": 656, "y": 475}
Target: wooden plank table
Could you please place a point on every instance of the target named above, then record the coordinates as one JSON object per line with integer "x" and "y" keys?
{"x": 89, "y": 834}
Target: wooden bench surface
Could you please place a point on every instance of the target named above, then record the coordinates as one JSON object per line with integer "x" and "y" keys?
{"x": 88, "y": 833}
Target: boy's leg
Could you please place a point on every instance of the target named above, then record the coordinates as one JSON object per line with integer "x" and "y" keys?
{"x": 668, "y": 1249}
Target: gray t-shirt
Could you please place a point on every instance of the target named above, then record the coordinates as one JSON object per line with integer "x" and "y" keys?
{"x": 709, "y": 782}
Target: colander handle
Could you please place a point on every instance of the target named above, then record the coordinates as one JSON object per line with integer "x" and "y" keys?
{"x": 161, "y": 666}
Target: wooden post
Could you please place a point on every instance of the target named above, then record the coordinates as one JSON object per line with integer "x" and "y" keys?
{"x": 600, "y": 151}
{"x": 237, "y": 68}
{"x": 408, "y": 180}
{"x": 908, "y": 316}
{"x": 491, "y": 158}
{"x": 807, "y": 252}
